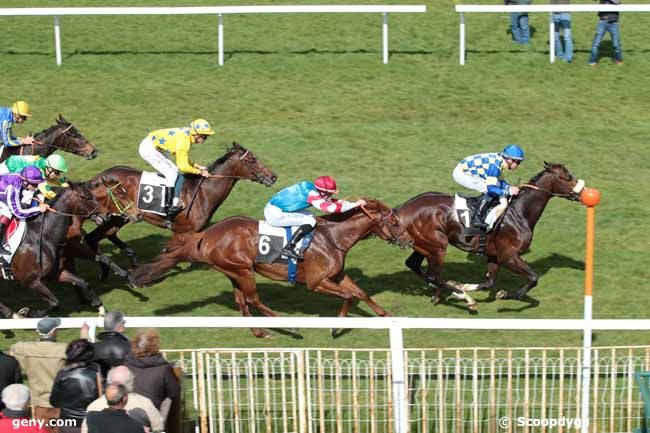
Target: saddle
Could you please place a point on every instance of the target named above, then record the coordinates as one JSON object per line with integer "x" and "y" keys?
{"x": 270, "y": 242}
{"x": 465, "y": 207}
{"x": 13, "y": 238}
{"x": 151, "y": 193}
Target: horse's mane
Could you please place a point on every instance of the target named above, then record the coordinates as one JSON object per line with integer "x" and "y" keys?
{"x": 230, "y": 151}
{"x": 422, "y": 194}
{"x": 547, "y": 166}
{"x": 59, "y": 122}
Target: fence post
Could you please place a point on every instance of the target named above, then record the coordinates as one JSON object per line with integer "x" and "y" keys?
{"x": 302, "y": 391}
{"x": 400, "y": 403}
{"x": 385, "y": 36}
{"x": 462, "y": 38}
{"x": 220, "y": 37}
{"x": 57, "y": 40}
{"x": 551, "y": 38}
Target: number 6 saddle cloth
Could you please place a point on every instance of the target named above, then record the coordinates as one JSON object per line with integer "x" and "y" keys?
{"x": 270, "y": 242}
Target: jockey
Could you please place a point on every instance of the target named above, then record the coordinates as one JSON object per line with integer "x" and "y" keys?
{"x": 175, "y": 141}
{"x": 483, "y": 173}
{"x": 11, "y": 187}
{"x": 18, "y": 113}
{"x": 288, "y": 208}
{"x": 51, "y": 167}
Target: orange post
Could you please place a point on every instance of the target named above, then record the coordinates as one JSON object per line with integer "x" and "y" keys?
{"x": 589, "y": 254}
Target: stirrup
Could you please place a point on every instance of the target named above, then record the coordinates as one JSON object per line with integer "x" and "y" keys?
{"x": 290, "y": 253}
{"x": 4, "y": 251}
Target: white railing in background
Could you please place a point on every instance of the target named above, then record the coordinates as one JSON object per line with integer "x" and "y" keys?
{"x": 461, "y": 9}
{"x": 219, "y": 11}
{"x": 395, "y": 325}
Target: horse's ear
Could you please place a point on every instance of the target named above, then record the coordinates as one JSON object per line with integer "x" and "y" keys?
{"x": 236, "y": 145}
{"x": 547, "y": 165}
{"x": 62, "y": 119}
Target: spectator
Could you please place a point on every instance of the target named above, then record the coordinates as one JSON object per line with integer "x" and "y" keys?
{"x": 154, "y": 376}
{"x": 137, "y": 406}
{"x": 9, "y": 373}
{"x": 519, "y": 22}
{"x": 77, "y": 384}
{"x": 562, "y": 22}
{"x": 15, "y": 397}
{"x": 608, "y": 22}
{"x": 112, "y": 346}
{"x": 114, "y": 418}
{"x": 41, "y": 360}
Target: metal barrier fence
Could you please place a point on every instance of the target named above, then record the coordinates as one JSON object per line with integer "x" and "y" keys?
{"x": 468, "y": 390}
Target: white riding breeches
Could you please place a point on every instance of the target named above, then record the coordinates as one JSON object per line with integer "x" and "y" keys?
{"x": 3, "y": 168}
{"x": 469, "y": 181}
{"x": 164, "y": 166}
{"x": 279, "y": 218}
{"x": 5, "y": 211}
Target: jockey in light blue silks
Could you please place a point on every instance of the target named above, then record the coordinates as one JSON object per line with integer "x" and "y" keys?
{"x": 483, "y": 173}
{"x": 18, "y": 113}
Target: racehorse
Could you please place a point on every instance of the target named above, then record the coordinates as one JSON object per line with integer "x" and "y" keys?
{"x": 430, "y": 220}
{"x": 62, "y": 136}
{"x": 202, "y": 196}
{"x": 37, "y": 257}
{"x": 230, "y": 246}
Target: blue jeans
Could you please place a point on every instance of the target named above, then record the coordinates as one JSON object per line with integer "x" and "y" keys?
{"x": 519, "y": 27}
{"x": 562, "y": 22}
{"x": 613, "y": 29}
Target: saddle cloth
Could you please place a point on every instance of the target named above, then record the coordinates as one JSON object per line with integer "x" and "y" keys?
{"x": 270, "y": 242}
{"x": 13, "y": 238}
{"x": 465, "y": 208}
{"x": 151, "y": 193}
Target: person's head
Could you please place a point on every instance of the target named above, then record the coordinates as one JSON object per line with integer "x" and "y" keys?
{"x": 21, "y": 111}
{"x": 15, "y": 396}
{"x": 120, "y": 375}
{"x": 79, "y": 351}
{"x": 200, "y": 129}
{"x": 513, "y": 156}
{"x": 54, "y": 166}
{"x": 31, "y": 177}
{"x": 114, "y": 321}
{"x": 146, "y": 343}
{"x": 116, "y": 396}
{"x": 326, "y": 186}
{"x": 46, "y": 327}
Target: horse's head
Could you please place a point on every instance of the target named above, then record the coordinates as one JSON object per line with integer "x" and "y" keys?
{"x": 114, "y": 197}
{"x": 250, "y": 166}
{"x": 64, "y": 136}
{"x": 78, "y": 200}
{"x": 388, "y": 227}
{"x": 558, "y": 181}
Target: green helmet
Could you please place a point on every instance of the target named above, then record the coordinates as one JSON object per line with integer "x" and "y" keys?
{"x": 56, "y": 162}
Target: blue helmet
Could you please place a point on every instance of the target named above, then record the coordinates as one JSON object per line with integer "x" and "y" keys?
{"x": 512, "y": 151}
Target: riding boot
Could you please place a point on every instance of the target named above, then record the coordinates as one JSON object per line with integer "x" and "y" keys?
{"x": 289, "y": 249}
{"x": 3, "y": 230}
{"x": 172, "y": 210}
{"x": 478, "y": 219}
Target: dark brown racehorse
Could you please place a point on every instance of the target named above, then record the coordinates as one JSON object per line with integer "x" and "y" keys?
{"x": 202, "y": 196}
{"x": 230, "y": 246}
{"x": 38, "y": 256}
{"x": 430, "y": 220}
{"x": 62, "y": 136}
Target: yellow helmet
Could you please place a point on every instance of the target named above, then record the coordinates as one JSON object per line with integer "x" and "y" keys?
{"x": 21, "y": 108}
{"x": 201, "y": 127}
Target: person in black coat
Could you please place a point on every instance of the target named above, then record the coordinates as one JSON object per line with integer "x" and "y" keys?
{"x": 112, "y": 346}
{"x": 114, "y": 418}
{"x": 9, "y": 373}
{"x": 77, "y": 384}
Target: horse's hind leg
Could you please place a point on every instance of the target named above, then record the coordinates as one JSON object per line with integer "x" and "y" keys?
{"x": 517, "y": 265}
{"x": 414, "y": 263}
{"x": 88, "y": 294}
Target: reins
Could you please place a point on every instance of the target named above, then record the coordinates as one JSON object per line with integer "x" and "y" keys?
{"x": 40, "y": 143}
{"x": 536, "y": 188}
{"x": 112, "y": 198}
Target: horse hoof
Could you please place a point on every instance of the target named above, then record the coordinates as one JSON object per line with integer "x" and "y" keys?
{"x": 502, "y": 294}
{"x": 101, "y": 311}
{"x": 435, "y": 300}
{"x": 23, "y": 312}
{"x": 16, "y": 316}
{"x": 472, "y": 307}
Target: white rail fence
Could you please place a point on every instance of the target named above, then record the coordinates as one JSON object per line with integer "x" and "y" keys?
{"x": 398, "y": 415}
{"x": 218, "y": 11}
{"x": 462, "y": 9}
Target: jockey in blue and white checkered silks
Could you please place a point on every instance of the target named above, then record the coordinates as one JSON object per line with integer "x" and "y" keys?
{"x": 483, "y": 173}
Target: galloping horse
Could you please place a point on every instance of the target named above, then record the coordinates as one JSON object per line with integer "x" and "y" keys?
{"x": 37, "y": 258}
{"x": 202, "y": 197}
{"x": 62, "y": 136}
{"x": 230, "y": 246}
{"x": 430, "y": 220}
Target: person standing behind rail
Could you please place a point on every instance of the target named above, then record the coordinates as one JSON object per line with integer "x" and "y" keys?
{"x": 608, "y": 22}
{"x": 562, "y": 22}
{"x": 519, "y": 22}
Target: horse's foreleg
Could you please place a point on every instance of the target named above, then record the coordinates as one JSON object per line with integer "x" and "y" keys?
{"x": 88, "y": 294}
{"x": 414, "y": 263}
{"x": 241, "y": 301}
{"x": 435, "y": 260}
{"x": 517, "y": 265}
{"x": 130, "y": 252}
{"x": 349, "y": 291}
{"x": 46, "y": 294}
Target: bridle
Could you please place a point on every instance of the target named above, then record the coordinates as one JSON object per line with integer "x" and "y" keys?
{"x": 111, "y": 198}
{"x": 572, "y": 195}
{"x": 41, "y": 144}
{"x": 384, "y": 221}
{"x": 248, "y": 164}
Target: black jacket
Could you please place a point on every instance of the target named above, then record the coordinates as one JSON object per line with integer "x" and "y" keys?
{"x": 610, "y": 17}
{"x": 112, "y": 421}
{"x": 75, "y": 387}
{"x": 9, "y": 373}
{"x": 154, "y": 377}
{"x": 110, "y": 350}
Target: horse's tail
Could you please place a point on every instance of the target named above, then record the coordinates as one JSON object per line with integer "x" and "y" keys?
{"x": 176, "y": 250}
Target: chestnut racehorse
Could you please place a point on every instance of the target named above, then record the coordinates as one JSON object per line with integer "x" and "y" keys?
{"x": 430, "y": 220}
{"x": 202, "y": 196}
{"x": 230, "y": 246}
{"x": 62, "y": 136}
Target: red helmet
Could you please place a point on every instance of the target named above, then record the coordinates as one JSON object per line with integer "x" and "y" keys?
{"x": 326, "y": 184}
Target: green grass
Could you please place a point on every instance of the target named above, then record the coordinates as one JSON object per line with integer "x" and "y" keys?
{"x": 310, "y": 95}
